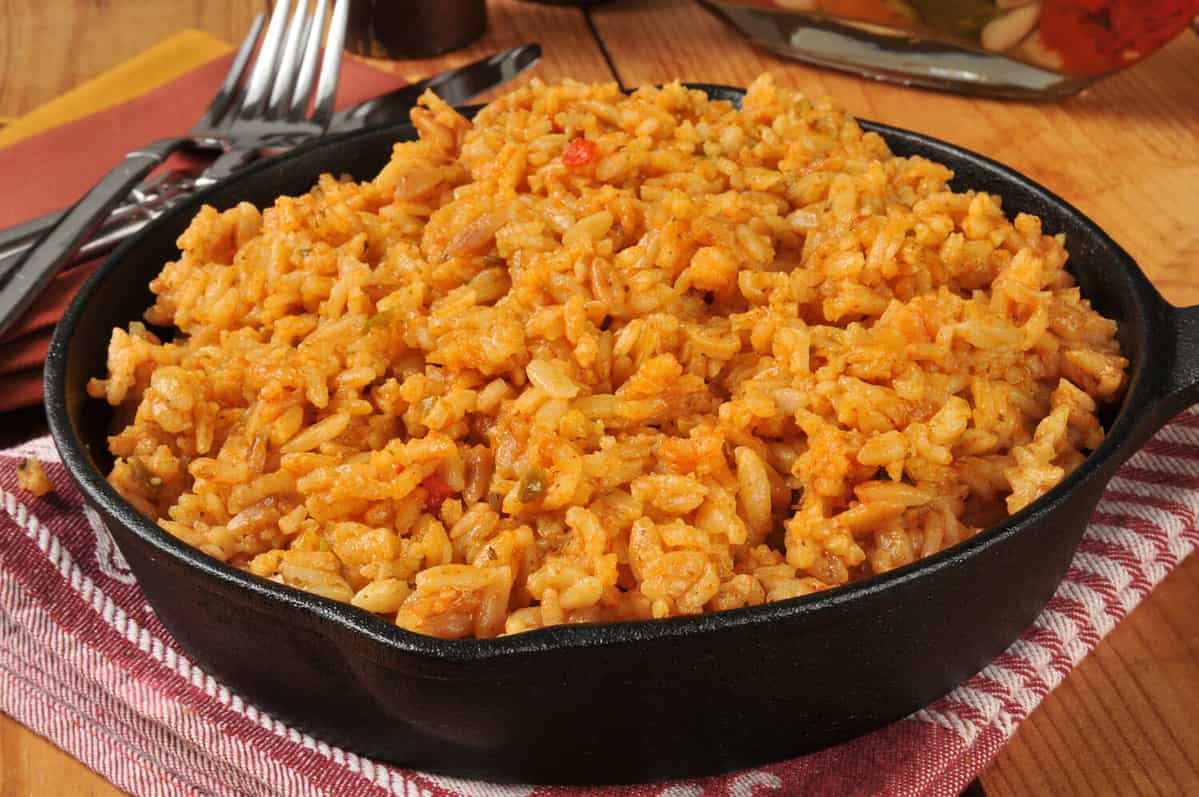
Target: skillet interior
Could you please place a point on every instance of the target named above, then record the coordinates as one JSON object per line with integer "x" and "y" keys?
{"x": 617, "y": 702}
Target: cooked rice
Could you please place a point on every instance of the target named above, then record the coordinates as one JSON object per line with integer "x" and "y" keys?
{"x": 32, "y": 478}
{"x": 712, "y": 358}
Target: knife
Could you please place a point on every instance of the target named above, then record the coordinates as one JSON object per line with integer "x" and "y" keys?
{"x": 455, "y": 86}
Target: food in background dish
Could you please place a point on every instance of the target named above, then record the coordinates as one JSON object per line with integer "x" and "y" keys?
{"x": 1076, "y": 37}
{"x": 596, "y": 357}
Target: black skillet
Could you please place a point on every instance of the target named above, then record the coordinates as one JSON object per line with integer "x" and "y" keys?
{"x": 621, "y": 702}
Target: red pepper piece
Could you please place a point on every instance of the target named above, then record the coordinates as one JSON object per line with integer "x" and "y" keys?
{"x": 579, "y": 153}
{"x": 437, "y": 490}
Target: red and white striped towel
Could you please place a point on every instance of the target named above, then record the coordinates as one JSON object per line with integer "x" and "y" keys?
{"x": 84, "y": 661}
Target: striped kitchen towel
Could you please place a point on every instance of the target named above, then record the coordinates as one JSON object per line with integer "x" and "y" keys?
{"x": 84, "y": 661}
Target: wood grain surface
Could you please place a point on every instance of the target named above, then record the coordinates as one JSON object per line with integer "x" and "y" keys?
{"x": 30, "y": 766}
{"x": 1126, "y": 721}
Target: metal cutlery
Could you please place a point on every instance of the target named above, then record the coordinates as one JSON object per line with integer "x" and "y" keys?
{"x": 457, "y": 86}
{"x": 271, "y": 109}
{"x": 154, "y": 196}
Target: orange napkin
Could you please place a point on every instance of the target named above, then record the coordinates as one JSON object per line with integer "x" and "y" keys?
{"x": 56, "y": 153}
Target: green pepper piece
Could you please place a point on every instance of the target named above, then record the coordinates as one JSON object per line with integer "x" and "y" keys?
{"x": 532, "y": 486}
{"x": 957, "y": 18}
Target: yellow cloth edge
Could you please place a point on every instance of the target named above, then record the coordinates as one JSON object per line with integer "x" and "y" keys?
{"x": 165, "y": 61}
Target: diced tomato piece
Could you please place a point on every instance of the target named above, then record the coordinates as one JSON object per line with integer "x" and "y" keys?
{"x": 437, "y": 491}
{"x": 579, "y": 153}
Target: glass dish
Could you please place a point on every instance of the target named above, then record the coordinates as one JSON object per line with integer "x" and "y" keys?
{"x": 1006, "y": 48}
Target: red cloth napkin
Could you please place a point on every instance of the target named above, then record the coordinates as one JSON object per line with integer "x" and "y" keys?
{"x": 55, "y": 168}
{"x": 84, "y": 661}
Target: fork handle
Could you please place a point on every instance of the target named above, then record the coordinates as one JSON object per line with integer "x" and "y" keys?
{"x": 22, "y": 284}
{"x": 17, "y": 239}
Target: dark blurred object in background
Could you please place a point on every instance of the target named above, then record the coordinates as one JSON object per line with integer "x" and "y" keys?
{"x": 402, "y": 29}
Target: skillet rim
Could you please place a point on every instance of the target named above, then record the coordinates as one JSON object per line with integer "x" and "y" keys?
{"x": 392, "y": 640}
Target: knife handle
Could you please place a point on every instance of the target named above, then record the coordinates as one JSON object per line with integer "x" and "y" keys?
{"x": 25, "y": 281}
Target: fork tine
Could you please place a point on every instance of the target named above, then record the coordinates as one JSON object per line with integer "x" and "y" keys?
{"x": 335, "y": 44}
{"x": 266, "y": 63}
{"x": 312, "y": 49}
{"x": 289, "y": 61}
{"x": 228, "y": 90}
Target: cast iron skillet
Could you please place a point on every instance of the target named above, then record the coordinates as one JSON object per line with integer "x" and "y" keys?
{"x": 628, "y": 701}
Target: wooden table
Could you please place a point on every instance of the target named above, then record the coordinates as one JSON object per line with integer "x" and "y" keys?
{"x": 1127, "y": 153}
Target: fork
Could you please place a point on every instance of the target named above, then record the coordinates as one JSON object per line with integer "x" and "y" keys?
{"x": 269, "y": 112}
{"x": 272, "y": 113}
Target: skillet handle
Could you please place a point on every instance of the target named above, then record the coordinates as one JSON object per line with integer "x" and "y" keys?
{"x": 1176, "y": 358}
{"x": 1180, "y": 383}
